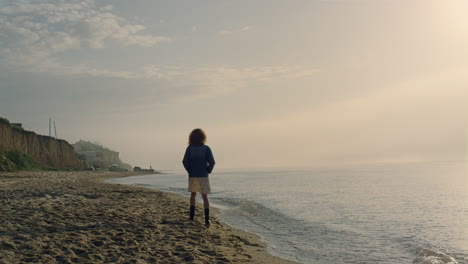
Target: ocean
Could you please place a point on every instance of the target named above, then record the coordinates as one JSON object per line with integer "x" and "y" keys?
{"x": 381, "y": 213}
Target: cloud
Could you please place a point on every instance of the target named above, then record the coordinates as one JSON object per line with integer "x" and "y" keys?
{"x": 232, "y": 31}
{"x": 215, "y": 81}
{"x": 34, "y": 33}
{"x": 191, "y": 84}
{"x": 196, "y": 82}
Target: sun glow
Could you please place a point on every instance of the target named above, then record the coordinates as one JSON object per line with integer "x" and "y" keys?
{"x": 453, "y": 15}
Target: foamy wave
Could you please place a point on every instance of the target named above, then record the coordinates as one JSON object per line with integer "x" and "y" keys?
{"x": 426, "y": 256}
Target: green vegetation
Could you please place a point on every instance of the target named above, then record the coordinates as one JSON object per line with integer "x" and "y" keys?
{"x": 12, "y": 160}
{"x": 90, "y": 146}
{"x": 17, "y": 128}
{"x": 4, "y": 120}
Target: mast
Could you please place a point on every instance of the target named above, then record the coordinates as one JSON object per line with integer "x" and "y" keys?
{"x": 55, "y": 129}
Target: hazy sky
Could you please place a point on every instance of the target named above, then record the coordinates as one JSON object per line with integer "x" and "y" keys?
{"x": 273, "y": 82}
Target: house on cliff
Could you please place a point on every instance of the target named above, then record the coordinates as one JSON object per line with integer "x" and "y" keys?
{"x": 98, "y": 156}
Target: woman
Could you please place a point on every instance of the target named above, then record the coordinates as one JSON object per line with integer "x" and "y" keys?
{"x": 199, "y": 162}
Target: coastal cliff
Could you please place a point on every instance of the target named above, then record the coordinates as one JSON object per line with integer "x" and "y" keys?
{"x": 45, "y": 150}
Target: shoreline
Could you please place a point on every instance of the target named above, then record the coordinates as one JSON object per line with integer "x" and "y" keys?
{"x": 76, "y": 217}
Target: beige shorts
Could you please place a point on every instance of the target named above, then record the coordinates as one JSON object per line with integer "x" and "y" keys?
{"x": 199, "y": 185}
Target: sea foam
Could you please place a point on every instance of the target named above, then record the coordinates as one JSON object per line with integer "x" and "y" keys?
{"x": 426, "y": 256}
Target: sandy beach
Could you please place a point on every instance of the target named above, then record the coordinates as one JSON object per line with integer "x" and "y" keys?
{"x": 74, "y": 217}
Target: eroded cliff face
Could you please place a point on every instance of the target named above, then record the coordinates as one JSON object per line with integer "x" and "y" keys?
{"x": 44, "y": 149}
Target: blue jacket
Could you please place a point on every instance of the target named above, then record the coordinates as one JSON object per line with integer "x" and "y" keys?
{"x": 198, "y": 160}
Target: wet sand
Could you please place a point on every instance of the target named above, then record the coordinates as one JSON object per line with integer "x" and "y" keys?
{"x": 74, "y": 217}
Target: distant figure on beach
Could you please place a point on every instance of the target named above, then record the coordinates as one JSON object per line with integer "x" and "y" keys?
{"x": 199, "y": 162}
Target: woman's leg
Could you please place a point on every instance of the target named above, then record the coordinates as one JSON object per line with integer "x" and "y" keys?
{"x": 192, "y": 198}
{"x": 206, "y": 203}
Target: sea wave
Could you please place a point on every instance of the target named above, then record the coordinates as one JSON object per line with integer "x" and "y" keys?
{"x": 427, "y": 256}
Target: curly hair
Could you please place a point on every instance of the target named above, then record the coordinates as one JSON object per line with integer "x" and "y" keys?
{"x": 197, "y": 137}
